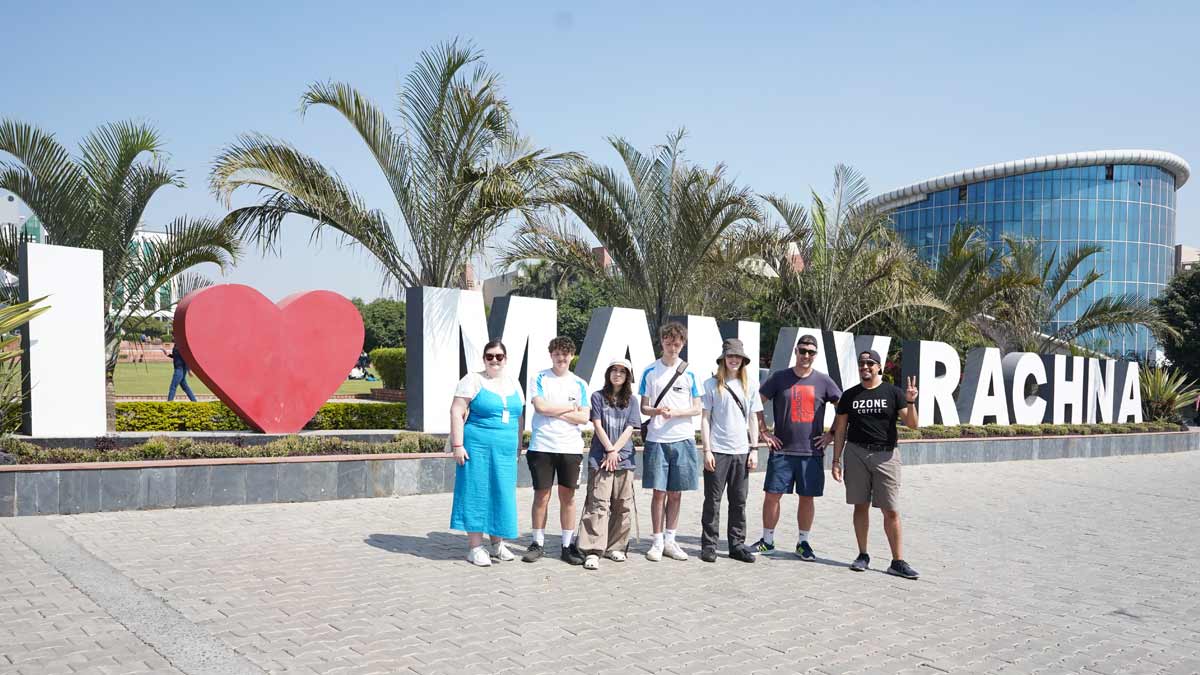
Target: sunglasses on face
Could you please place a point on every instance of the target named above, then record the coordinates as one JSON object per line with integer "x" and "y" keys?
{"x": 493, "y": 357}
{"x": 806, "y": 352}
{"x": 862, "y": 364}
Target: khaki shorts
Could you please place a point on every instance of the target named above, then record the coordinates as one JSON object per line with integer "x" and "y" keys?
{"x": 872, "y": 477}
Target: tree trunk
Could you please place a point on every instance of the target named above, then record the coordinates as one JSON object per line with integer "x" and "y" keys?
{"x": 110, "y": 403}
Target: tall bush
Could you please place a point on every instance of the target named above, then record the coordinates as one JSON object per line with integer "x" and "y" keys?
{"x": 390, "y": 363}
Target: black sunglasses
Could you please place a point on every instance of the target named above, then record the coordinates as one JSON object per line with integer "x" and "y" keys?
{"x": 867, "y": 363}
{"x": 494, "y": 357}
{"x": 806, "y": 352}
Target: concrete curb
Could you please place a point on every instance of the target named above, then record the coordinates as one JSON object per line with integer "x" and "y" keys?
{"x": 29, "y": 490}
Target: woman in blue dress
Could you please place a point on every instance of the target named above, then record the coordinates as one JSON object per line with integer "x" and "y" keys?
{"x": 485, "y": 432}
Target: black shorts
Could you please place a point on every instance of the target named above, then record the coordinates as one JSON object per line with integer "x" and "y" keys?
{"x": 543, "y": 466}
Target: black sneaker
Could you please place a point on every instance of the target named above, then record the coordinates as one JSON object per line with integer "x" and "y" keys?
{"x": 708, "y": 555}
{"x": 902, "y": 569}
{"x": 804, "y": 550}
{"x": 571, "y": 555}
{"x": 741, "y": 553}
{"x": 534, "y": 553}
{"x": 761, "y": 546}
{"x": 861, "y": 563}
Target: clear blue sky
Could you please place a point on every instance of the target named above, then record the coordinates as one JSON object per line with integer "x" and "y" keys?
{"x": 780, "y": 92}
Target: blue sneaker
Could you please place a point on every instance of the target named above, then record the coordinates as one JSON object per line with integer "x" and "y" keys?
{"x": 804, "y": 550}
{"x": 761, "y": 546}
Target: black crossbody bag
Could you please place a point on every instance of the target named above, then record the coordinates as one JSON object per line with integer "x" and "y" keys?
{"x": 679, "y": 370}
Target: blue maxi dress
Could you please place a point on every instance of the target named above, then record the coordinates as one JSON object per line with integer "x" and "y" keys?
{"x": 485, "y": 486}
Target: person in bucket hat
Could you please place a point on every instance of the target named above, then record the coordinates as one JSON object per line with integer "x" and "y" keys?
{"x": 728, "y": 425}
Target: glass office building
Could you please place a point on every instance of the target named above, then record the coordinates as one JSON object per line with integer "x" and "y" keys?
{"x": 1122, "y": 200}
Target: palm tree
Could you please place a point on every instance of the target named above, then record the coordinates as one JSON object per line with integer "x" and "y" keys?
{"x": 96, "y": 200}
{"x": 838, "y": 263}
{"x": 969, "y": 278}
{"x": 12, "y": 317}
{"x": 1025, "y": 319}
{"x": 456, "y": 167}
{"x": 540, "y": 279}
{"x": 663, "y": 225}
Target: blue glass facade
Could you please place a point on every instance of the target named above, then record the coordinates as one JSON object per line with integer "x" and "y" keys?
{"x": 1128, "y": 209}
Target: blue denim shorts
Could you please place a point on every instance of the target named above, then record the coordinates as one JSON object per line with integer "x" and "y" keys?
{"x": 804, "y": 475}
{"x": 671, "y": 467}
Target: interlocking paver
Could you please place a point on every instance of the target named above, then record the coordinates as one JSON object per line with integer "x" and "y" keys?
{"x": 1051, "y": 566}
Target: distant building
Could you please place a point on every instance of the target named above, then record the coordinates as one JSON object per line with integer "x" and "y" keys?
{"x": 10, "y": 214}
{"x": 1122, "y": 200}
{"x": 1187, "y": 258}
{"x": 162, "y": 304}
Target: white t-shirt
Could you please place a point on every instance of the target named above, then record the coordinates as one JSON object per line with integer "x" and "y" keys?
{"x": 654, "y": 379}
{"x": 728, "y": 426}
{"x": 502, "y": 386}
{"x": 553, "y": 434}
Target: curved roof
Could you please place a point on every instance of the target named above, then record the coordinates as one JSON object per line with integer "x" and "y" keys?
{"x": 1170, "y": 162}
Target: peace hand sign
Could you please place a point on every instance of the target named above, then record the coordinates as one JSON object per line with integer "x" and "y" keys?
{"x": 910, "y": 394}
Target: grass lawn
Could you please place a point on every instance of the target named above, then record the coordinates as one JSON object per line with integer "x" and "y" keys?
{"x": 153, "y": 379}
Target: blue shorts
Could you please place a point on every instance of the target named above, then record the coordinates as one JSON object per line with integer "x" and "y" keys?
{"x": 671, "y": 467}
{"x": 804, "y": 475}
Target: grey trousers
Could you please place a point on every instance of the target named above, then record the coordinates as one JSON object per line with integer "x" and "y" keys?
{"x": 731, "y": 474}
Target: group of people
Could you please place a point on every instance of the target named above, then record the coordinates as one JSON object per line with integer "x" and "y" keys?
{"x": 485, "y": 438}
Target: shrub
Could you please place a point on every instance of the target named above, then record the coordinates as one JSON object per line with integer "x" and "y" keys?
{"x": 939, "y": 431}
{"x": 183, "y": 448}
{"x": 1054, "y": 430}
{"x": 1026, "y": 429}
{"x": 972, "y": 431}
{"x": 390, "y": 363}
{"x": 998, "y": 430}
{"x": 335, "y": 416}
{"x": 905, "y": 434}
{"x": 1079, "y": 429}
{"x": 177, "y": 416}
{"x": 215, "y": 416}
{"x": 1166, "y": 394}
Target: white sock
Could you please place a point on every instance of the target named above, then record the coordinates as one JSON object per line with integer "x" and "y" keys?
{"x": 803, "y": 535}
{"x": 768, "y": 536}
{"x": 568, "y": 535}
{"x": 670, "y": 538}
{"x": 539, "y": 537}
{"x": 658, "y": 539}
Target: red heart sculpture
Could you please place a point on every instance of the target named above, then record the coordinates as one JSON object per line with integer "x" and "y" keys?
{"x": 273, "y": 365}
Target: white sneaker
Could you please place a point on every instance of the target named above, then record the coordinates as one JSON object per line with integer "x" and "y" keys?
{"x": 500, "y": 550}
{"x": 615, "y": 556}
{"x": 655, "y": 553}
{"x": 479, "y": 556}
{"x": 672, "y": 551}
{"x": 592, "y": 562}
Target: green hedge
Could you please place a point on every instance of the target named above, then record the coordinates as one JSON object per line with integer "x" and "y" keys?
{"x": 215, "y": 416}
{"x": 1017, "y": 430}
{"x": 182, "y": 448}
{"x": 390, "y": 363}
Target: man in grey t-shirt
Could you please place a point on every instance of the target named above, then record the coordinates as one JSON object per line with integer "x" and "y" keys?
{"x": 798, "y": 396}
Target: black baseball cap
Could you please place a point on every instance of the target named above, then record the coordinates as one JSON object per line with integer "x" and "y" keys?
{"x": 872, "y": 354}
{"x": 806, "y": 340}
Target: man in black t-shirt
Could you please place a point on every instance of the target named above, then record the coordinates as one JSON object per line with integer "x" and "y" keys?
{"x": 866, "y": 429}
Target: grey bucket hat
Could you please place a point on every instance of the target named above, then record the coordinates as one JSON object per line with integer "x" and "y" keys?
{"x": 732, "y": 346}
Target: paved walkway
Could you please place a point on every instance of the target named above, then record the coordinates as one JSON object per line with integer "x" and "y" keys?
{"x": 1066, "y": 566}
